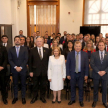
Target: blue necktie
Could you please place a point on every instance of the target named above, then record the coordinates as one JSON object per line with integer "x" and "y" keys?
{"x": 17, "y": 51}
{"x": 101, "y": 57}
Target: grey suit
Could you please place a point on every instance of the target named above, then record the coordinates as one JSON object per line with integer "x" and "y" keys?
{"x": 96, "y": 65}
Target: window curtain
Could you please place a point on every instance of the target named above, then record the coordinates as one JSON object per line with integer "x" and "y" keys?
{"x": 43, "y": 18}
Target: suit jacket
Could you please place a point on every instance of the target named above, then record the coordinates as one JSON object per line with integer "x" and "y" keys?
{"x": 3, "y": 59}
{"x": 36, "y": 65}
{"x": 20, "y": 61}
{"x": 8, "y": 46}
{"x": 70, "y": 65}
{"x": 83, "y": 45}
{"x": 62, "y": 39}
{"x": 97, "y": 66}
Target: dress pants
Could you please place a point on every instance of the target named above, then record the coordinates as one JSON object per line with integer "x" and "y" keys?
{"x": 39, "y": 81}
{"x": 104, "y": 89}
{"x": 22, "y": 77}
{"x": 77, "y": 80}
{"x": 3, "y": 85}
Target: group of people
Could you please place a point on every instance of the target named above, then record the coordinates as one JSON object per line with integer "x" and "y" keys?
{"x": 55, "y": 59}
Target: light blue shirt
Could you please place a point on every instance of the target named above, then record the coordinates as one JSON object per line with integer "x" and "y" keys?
{"x": 79, "y": 67}
{"x": 18, "y": 54}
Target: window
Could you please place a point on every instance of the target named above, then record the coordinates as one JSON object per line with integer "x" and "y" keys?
{"x": 96, "y": 12}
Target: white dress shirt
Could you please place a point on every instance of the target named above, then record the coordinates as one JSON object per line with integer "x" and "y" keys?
{"x": 102, "y": 53}
{"x": 5, "y": 44}
{"x": 41, "y": 50}
{"x": 46, "y": 45}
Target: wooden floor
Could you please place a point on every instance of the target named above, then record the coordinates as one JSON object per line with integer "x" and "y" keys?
{"x": 39, "y": 104}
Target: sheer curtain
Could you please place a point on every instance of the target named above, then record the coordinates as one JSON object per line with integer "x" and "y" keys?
{"x": 96, "y": 12}
{"x": 43, "y": 18}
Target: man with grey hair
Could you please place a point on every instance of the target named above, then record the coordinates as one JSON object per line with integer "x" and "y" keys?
{"x": 77, "y": 67}
{"x": 38, "y": 65}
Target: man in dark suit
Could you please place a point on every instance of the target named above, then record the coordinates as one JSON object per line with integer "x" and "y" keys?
{"x": 99, "y": 64}
{"x": 22, "y": 43}
{"x": 63, "y": 38}
{"x": 38, "y": 65}
{"x": 77, "y": 68}
{"x": 86, "y": 38}
{"x": 3, "y": 64}
{"x": 21, "y": 34}
{"x": 5, "y": 43}
{"x": 18, "y": 57}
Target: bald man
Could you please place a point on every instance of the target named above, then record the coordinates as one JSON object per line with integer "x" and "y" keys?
{"x": 38, "y": 65}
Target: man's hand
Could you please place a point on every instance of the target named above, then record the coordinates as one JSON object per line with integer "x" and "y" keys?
{"x": 31, "y": 74}
{"x": 85, "y": 78}
{"x": 103, "y": 73}
{"x": 1, "y": 68}
{"x": 18, "y": 69}
{"x": 100, "y": 73}
{"x": 49, "y": 80}
{"x": 69, "y": 77}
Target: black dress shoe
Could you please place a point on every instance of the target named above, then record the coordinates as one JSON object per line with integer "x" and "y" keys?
{"x": 43, "y": 100}
{"x": 105, "y": 105}
{"x": 81, "y": 104}
{"x": 71, "y": 102}
{"x": 14, "y": 100}
{"x": 33, "y": 100}
{"x": 93, "y": 104}
{"x": 53, "y": 101}
{"x": 23, "y": 101}
{"x": 59, "y": 101}
{"x": 5, "y": 101}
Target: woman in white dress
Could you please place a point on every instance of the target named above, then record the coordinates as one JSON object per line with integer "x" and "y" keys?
{"x": 56, "y": 73}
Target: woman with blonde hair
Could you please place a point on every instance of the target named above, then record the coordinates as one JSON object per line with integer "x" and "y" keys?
{"x": 93, "y": 38}
{"x": 89, "y": 48}
{"x": 56, "y": 73}
{"x": 55, "y": 43}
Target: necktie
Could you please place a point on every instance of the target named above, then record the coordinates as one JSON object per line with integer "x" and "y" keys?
{"x": 4, "y": 44}
{"x": 101, "y": 57}
{"x": 107, "y": 48}
{"x": 40, "y": 53}
{"x": 17, "y": 51}
{"x": 77, "y": 63}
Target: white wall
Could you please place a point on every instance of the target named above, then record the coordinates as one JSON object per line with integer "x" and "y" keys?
{"x": 5, "y": 12}
{"x": 71, "y": 22}
{"x": 19, "y": 17}
{"x": 10, "y": 14}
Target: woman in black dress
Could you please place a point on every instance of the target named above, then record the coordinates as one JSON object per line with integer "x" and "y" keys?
{"x": 65, "y": 53}
{"x": 68, "y": 49}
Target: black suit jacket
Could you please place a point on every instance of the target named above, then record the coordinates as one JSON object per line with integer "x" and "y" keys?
{"x": 36, "y": 65}
{"x": 20, "y": 61}
{"x": 3, "y": 59}
{"x": 8, "y": 46}
{"x": 83, "y": 45}
{"x": 97, "y": 66}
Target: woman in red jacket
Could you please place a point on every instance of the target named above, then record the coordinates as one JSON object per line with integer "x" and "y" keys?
{"x": 89, "y": 48}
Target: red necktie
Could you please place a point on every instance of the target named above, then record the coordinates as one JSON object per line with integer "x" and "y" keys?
{"x": 107, "y": 48}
